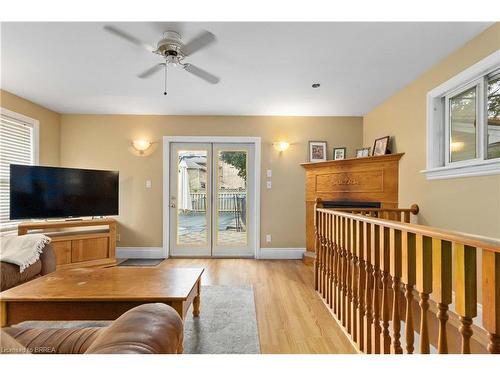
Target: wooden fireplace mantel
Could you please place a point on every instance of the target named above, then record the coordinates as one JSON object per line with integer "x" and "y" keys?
{"x": 368, "y": 179}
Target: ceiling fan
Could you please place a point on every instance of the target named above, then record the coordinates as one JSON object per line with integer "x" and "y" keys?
{"x": 173, "y": 51}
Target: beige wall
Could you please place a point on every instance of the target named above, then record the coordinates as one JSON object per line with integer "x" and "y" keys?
{"x": 469, "y": 204}
{"x": 50, "y": 125}
{"x": 102, "y": 141}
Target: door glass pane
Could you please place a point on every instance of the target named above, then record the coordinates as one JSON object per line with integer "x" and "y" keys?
{"x": 494, "y": 117}
{"x": 463, "y": 126}
{"x": 191, "y": 202}
{"x": 231, "y": 201}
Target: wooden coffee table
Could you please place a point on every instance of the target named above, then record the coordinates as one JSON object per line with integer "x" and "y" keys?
{"x": 100, "y": 293}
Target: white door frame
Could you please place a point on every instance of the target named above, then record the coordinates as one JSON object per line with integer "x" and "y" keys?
{"x": 255, "y": 215}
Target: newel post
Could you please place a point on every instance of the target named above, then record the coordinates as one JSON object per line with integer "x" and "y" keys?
{"x": 317, "y": 204}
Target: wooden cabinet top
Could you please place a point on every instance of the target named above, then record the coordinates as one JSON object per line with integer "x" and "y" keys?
{"x": 368, "y": 159}
{"x": 29, "y": 225}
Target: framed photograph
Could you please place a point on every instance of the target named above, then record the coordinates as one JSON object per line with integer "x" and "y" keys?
{"x": 317, "y": 151}
{"x": 363, "y": 152}
{"x": 380, "y": 146}
{"x": 339, "y": 153}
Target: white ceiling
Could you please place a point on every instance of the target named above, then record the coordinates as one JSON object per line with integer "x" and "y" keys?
{"x": 265, "y": 68}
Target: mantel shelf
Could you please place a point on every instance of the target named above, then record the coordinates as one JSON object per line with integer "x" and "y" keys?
{"x": 367, "y": 159}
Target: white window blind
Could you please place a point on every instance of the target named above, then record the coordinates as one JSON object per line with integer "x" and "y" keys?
{"x": 17, "y": 146}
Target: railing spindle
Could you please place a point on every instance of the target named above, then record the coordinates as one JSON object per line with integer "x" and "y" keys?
{"x": 385, "y": 266}
{"x": 339, "y": 268}
{"x": 330, "y": 260}
{"x": 344, "y": 272}
{"x": 368, "y": 286}
{"x": 355, "y": 277}
{"x": 441, "y": 287}
{"x": 409, "y": 279}
{"x": 349, "y": 276}
{"x": 465, "y": 291}
{"x": 491, "y": 299}
{"x": 377, "y": 329}
{"x": 424, "y": 285}
{"x": 325, "y": 260}
{"x": 395, "y": 252}
{"x": 361, "y": 284}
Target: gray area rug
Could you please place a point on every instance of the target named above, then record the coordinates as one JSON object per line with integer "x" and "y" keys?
{"x": 140, "y": 262}
{"x": 227, "y": 322}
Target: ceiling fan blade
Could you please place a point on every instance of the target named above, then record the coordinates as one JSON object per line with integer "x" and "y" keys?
{"x": 198, "y": 72}
{"x": 151, "y": 71}
{"x": 198, "y": 42}
{"x": 128, "y": 37}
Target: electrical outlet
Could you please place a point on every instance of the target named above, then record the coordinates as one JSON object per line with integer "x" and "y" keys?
{"x": 269, "y": 173}
{"x": 268, "y": 238}
{"x": 269, "y": 184}
{"x": 148, "y": 184}
{"x": 118, "y": 237}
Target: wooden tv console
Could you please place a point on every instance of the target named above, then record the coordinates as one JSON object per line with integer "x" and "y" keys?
{"x": 78, "y": 243}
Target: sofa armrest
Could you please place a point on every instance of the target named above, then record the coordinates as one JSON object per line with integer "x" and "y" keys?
{"x": 54, "y": 340}
{"x": 48, "y": 259}
{"x": 153, "y": 328}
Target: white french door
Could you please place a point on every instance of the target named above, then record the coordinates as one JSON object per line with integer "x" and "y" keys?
{"x": 211, "y": 196}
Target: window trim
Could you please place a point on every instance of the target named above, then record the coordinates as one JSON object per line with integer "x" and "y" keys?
{"x": 438, "y": 165}
{"x": 35, "y": 124}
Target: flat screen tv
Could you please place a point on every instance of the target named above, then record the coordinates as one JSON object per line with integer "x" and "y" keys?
{"x": 51, "y": 192}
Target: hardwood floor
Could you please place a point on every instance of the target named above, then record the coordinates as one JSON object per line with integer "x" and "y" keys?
{"x": 290, "y": 315}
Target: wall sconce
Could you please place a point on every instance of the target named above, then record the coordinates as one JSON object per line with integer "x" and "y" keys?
{"x": 141, "y": 146}
{"x": 281, "y": 146}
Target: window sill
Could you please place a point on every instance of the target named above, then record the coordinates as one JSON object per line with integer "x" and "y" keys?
{"x": 483, "y": 168}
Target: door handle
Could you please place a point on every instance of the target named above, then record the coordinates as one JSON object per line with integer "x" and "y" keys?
{"x": 172, "y": 205}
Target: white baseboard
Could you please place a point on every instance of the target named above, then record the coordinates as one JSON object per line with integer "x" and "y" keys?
{"x": 140, "y": 252}
{"x": 281, "y": 253}
{"x": 157, "y": 253}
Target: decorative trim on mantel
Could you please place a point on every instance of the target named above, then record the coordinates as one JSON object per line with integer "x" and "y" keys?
{"x": 367, "y": 159}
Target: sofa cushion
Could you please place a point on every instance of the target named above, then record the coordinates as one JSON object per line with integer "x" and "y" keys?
{"x": 11, "y": 276}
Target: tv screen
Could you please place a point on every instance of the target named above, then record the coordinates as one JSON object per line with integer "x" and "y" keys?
{"x": 51, "y": 192}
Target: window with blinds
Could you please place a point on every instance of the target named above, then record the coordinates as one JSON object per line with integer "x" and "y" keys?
{"x": 17, "y": 146}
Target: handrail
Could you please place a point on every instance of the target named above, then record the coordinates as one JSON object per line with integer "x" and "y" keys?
{"x": 368, "y": 269}
{"x": 468, "y": 239}
{"x": 414, "y": 209}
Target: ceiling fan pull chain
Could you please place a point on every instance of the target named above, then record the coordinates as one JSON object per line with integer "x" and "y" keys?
{"x": 165, "y": 92}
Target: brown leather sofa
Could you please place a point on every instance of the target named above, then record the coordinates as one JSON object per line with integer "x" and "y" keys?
{"x": 11, "y": 277}
{"x": 153, "y": 328}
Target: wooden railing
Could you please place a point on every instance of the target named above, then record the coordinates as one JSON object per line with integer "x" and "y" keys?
{"x": 371, "y": 272}
{"x": 397, "y": 214}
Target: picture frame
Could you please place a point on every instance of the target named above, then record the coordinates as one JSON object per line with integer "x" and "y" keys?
{"x": 339, "y": 153}
{"x": 380, "y": 146}
{"x": 317, "y": 151}
{"x": 363, "y": 152}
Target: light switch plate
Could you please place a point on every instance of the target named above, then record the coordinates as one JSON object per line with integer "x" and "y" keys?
{"x": 269, "y": 184}
{"x": 148, "y": 184}
{"x": 268, "y": 238}
{"x": 269, "y": 173}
